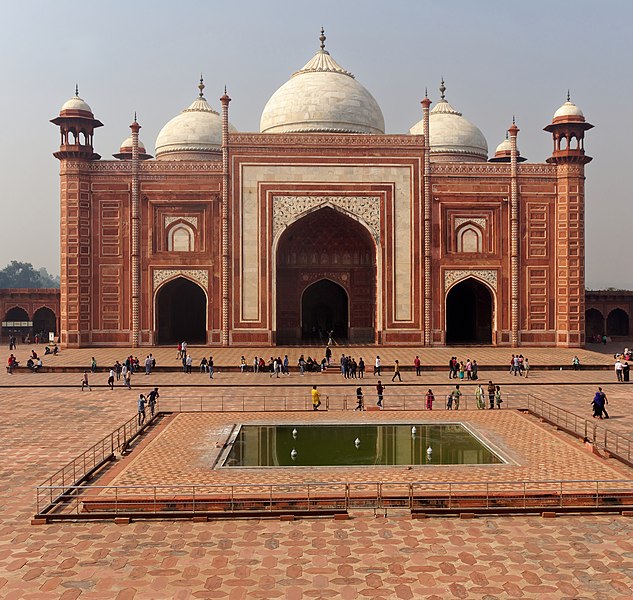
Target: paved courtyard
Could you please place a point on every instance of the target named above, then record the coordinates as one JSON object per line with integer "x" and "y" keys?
{"x": 47, "y": 420}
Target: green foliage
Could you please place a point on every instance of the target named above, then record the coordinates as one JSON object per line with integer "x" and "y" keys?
{"x": 22, "y": 275}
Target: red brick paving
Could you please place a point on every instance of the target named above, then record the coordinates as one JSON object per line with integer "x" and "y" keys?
{"x": 588, "y": 556}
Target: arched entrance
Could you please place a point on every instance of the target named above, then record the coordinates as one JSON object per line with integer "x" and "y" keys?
{"x": 594, "y": 324}
{"x": 324, "y": 308}
{"x": 331, "y": 257}
{"x": 16, "y": 322}
{"x": 44, "y": 322}
{"x": 181, "y": 313}
{"x": 618, "y": 323}
{"x": 469, "y": 313}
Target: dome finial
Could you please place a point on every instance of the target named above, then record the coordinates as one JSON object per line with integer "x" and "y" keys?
{"x": 135, "y": 116}
{"x": 568, "y": 96}
{"x": 77, "y": 90}
{"x": 322, "y": 38}
{"x": 513, "y": 120}
{"x": 442, "y": 89}
{"x": 201, "y": 86}
{"x": 426, "y": 92}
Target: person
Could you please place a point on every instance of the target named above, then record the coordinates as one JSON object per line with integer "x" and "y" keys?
{"x": 285, "y": 369}
{"x": 179, "y": 352}
{"x": 275, "y": 369}
{"x": 417, "y": 363}
{"x": 479, "y": 397}
{"x": 55, "y": 350}
{"x": 330, "y": 337}
{"x": 526, "y": 366}
{"x": 210, "y": 366}
{"x": 118, "y": 367}
{"x": 449, "y": 401}
{"x": 84, "y": 382}
{"x": 93, "y": 365}
{"x": 396, "y": 372}
{"x": 111, "y": 379}
{"x": 359, "y": 399}
{"x": 148, "y": 365}
{"x": 30, "y": 364}
{"x": 328, "y": 354}
{"x": 377, "y": 366}
{"x": 361, "y": 368}
{"x": 430, "y": 398}
{"x": 47, "y": 350}
{"x": 316, "y": 398}
{"x": 243, "y": 364}
{"x": 127, "y": 379}
{"x": 619, "y": 367}
{"x": 498, "y": 399}
{"x": 597, "y": 405}
{"x": 625, "y": 371}
{"x": 491, "y": 394}
{"x": 380, "y": 390}
{"x": 12, "y": 363}
{"x": 302, "y": 365}
{"x": 475, "y": 370}
{"x": 604, "y": 339}
{"x": 188, "y": 363}
{"x": 603, "y": 398}
{"x": 38, "y": 365}
{"x": 203, "y": 365}
{"x": 575, "y": 363}
{"x": 255, "y": 364}
{"x": 151, "y": 400}
{"x": 457, "y": 394}
{"x": 141, "y": 409}
{"x": 469, "y": 369}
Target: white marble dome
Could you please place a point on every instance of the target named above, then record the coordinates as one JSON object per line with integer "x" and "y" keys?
{"x": 126, "y": 145}
{"x": 452, "y": 136}
{"x": 569, "y": 109}
{"x": 193, "y": 134}
{"x": 322, "y": 97}
{"x": 76, "y": 104}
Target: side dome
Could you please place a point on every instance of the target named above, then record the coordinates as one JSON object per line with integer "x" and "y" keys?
{"x": 125, "y": 151}
{"x": 76, "y": 107}
{"x": 322, "y": 97}
{"x": 194, "y": 134}
{"x": 451, "y": 136}
{"x": 503, "y": 153}
{"x": 568, "y": 112}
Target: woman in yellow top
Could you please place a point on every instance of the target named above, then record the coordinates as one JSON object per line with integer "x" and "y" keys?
{"x": 316, "y": 398}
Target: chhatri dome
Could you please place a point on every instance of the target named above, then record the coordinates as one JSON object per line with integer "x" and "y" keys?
{"x": 76, "y": 106}
{"x": 451, "y": 136}
{"x": 322, "y": 97}
{"x": 568, "y": 111}
{"x": 195, "y": 134}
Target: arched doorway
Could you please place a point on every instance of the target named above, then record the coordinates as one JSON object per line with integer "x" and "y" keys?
{"x": 324, "y": 308}
{"x": 44, "y": 322}
{"x": 337, "y": 254}
{"x": 594, "y": 324}
{"x": 181, "y": 313}
{"x": 618, "y": 323}
{"x": 16, "y": 323}
{"x": 469, "y": 313}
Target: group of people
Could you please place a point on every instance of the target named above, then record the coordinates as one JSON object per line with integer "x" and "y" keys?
{"x": 622, "y": 369}
{"x": 519, "y": 365}
{"x": 143, "y": 401}
{"x": 468, "y": 369}
{"x": 599, "y": 404}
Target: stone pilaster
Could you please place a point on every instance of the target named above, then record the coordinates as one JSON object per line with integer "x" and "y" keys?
{"x": 136, "y": 237}
{"x": 428, "y": 287}
{"x": 225, "y": 218}
{"x": 514, "y": 237}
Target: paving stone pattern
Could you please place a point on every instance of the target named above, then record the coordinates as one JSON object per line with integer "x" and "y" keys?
{"x": 575, "y": 557}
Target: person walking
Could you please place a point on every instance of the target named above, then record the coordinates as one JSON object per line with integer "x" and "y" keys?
{"x": 491, "y": 394}
{"x": 128, "y": 379}
{"x": 141, "y": 409}
{"x": 603, "y": 398}
{"x": 151, "y": 401}
{"x": 479, "y": 397}
{"x": 111, "y": 379}
{"x": 360, "y": 405}
{"x": 210, "y": 366}
{"x": 316, "y": 398}
{"x": 417, "y": 363}
{"x": 430, "y": 398}
{"x": 380, "y": 390}
{"x": 597, "y": 405}
{"x": 84, "y": 382}
{"x": 396, "y": 372}
{"x": 377, "y": 366}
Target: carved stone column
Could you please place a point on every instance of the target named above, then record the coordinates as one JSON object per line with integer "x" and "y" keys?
{"x": 136, "y": 236}
{"x": 514, "y": 238}
{"x": 225, "y": 218}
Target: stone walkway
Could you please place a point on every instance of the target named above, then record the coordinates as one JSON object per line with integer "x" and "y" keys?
{"x": 42, "y": 428}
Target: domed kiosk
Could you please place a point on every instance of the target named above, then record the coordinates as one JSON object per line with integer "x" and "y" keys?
{"x": 322, "y": 97}
{"x": 194, "y": 134}
{"x": 452, "y": 136}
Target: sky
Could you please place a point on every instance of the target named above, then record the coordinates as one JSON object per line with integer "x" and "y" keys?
{"x": 498, "y": 59}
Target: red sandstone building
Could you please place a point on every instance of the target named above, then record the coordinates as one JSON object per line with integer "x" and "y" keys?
{"x": 320, "y": 222}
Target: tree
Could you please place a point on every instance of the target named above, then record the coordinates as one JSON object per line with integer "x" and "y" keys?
{"x": 22, "y": 275}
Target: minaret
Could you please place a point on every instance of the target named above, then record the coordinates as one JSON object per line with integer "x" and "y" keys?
{"x": 426, "y": 103}
{"x": 568, "y": 131}
{"x": 76, "y": 124}
{"x": 225, "y": 218}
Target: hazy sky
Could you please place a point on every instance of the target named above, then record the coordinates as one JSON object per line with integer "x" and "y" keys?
{"x": 499, "y": 58}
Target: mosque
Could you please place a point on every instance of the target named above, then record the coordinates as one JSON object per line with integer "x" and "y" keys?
{"x": 321, "y": 222}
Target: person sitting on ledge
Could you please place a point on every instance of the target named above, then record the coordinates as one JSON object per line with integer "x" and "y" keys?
{"x": 47, "y": 350}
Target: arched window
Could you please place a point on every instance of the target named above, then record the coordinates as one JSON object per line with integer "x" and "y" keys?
{"x": 469, "y": 239}
{"x": 181, "y": 238}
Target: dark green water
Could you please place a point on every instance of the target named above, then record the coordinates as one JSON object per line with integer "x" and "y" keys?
{"x": 334, "y": 445}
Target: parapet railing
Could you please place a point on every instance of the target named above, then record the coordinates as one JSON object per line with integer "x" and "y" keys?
{"x": 391, "y": 401}
{"x": 81, "y": 468}
{"x": 595, "y": 432}
{"x": 432, "y": 497}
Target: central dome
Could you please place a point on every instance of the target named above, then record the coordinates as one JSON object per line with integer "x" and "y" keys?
{"x": 322, "y": 97}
